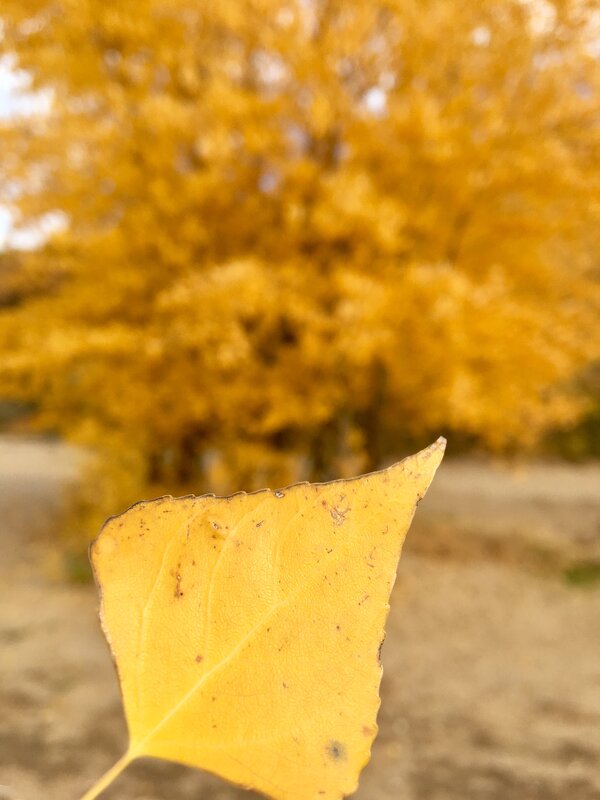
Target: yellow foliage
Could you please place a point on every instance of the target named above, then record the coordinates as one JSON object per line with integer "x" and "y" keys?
{"x": 300, "y": 235}
{"x": 246, "y": 629}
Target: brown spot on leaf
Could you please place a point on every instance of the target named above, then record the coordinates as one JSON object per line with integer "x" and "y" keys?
{"x": 199, "y": 659}
{"x": 338, "y": 515}
{"x": 336, "y": 751}
{"x": 379, "y": 650}
{"x": 178, "y": 592}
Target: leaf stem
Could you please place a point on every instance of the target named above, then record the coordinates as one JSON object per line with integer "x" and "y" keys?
{"x": 109, "y": 776}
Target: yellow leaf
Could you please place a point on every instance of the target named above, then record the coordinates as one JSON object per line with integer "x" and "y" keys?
{"x": 246, "y": 629}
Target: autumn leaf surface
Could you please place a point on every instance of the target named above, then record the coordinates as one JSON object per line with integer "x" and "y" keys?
{"x": 246, "y": 629}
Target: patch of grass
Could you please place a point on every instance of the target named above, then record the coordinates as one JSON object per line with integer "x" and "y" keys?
{"x": 584, "y": 575}
{"x": 77, "y": 568}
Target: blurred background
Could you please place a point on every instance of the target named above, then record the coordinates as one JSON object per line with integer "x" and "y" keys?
{"x": 253, "y": 242}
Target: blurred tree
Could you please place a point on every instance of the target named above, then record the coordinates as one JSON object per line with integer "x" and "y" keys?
{"x": 300, "y": 233}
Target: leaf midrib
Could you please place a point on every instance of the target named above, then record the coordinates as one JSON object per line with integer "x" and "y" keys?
{"x": 137, "y": 749}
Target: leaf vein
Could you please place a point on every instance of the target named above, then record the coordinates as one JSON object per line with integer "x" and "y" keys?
{"x": 334, "y": 556}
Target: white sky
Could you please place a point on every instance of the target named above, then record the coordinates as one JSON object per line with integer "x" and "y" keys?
{"x": 17, "y": 101}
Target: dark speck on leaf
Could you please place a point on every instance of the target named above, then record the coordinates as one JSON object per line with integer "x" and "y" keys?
{"x": 278, "y": 493}
{"x": 336, "y": 751}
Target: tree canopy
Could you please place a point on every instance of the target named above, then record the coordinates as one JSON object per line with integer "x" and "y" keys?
{"x": 298, "y": 234}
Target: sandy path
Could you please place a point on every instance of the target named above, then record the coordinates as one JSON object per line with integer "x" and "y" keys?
{"x": 492, "y": 662}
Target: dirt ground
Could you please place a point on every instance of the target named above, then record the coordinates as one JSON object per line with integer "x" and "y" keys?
{"x": 491, "y": 687}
